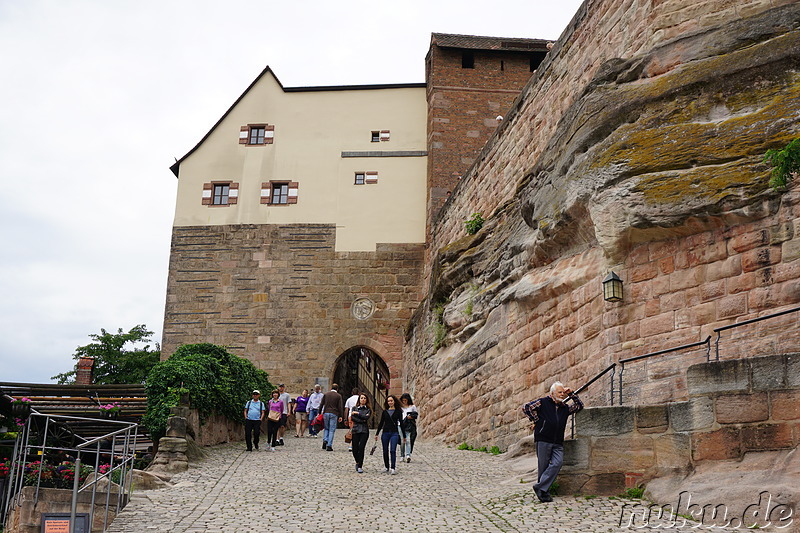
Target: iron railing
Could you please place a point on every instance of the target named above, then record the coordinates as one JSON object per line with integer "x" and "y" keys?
{"x": 707, "y": 343}
{"x": 41, "y": 438}
{"x": 719, "y": 331}
{"x": 623, "y": 362}
{"x": 609, "y": 368}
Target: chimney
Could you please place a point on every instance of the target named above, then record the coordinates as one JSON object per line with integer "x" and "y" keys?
{"x": 85, "y": 370}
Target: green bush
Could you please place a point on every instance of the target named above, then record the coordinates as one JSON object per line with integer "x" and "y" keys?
{"x": 217, "y": 382}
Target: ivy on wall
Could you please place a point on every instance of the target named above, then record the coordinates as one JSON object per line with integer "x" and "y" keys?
{"x": 216, "y": 381}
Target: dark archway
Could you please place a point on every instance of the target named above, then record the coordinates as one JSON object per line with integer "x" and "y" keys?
{"x": 361, "y": 368}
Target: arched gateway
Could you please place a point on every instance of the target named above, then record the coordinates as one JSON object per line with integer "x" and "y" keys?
{"x": 359, "y": 367}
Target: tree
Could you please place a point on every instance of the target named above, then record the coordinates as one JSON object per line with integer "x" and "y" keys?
{"x": 113, "y": 362}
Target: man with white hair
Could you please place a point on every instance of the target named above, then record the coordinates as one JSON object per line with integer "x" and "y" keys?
{"x": 549, "y": 416}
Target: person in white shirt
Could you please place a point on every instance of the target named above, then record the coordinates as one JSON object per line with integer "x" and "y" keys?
{"x": 409, "y": 421}
{"x": 349, "y": 405}
{"x": 313, "y": 409}
{"x": 285, "y": 398}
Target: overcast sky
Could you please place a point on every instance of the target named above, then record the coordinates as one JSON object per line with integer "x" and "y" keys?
{"x": 99, "y": 97}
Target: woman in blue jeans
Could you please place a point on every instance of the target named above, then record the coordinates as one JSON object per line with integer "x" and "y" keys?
{"x": 390, "y": 424}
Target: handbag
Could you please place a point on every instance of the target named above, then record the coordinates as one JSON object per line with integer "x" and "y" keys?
{"x": 372, "y": 451}
{"x": 274, "y": 415}
{"x": 348, "y": 437}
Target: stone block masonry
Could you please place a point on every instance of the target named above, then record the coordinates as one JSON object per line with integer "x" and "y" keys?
{"x": 637, "y": 147}
{"x": 281, "y": 296}
{"x": 721, "y": 421}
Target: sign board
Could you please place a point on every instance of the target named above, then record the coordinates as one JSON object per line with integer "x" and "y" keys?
{"x": 59, "y": 523}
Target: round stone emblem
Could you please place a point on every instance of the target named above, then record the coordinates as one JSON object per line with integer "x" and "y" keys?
{"x": 363, "y": 308}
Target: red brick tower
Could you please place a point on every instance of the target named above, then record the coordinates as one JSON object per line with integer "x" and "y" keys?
{"x": 471, "y": 81}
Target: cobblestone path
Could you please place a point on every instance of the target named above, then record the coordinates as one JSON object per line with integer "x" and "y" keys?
{"x": 300, "y": 487}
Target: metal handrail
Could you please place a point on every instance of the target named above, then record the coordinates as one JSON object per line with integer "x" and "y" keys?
{"x": 23, "y": 447}
{"x": 719, "y": 330}
{"x": 706, "y": 342}
{"x": 586, "y": 385}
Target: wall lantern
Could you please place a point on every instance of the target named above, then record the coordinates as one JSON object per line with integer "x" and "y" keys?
{"x": 612, "y": 288}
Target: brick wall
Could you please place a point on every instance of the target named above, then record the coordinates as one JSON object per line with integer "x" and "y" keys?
{"x": 463, "y": 105}
{"x": 281, "y": 296}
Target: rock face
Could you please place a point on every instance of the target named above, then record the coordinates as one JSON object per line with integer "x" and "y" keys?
{"x": 655, "y": 171}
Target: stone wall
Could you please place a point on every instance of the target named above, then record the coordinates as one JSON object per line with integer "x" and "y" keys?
{"x": 642, "y": 153}
{"x": 26, "y": 516}
{"x": 735, "y": 407}
{"x": 281, "y": 296}
{"x": 602, "y": 31}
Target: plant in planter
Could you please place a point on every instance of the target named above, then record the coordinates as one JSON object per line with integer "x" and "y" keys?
{"x": 110, "y": 410}
{"x": 21, "y": 409}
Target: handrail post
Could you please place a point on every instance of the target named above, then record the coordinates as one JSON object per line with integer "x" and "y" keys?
{"x": 716, "y": 345}
{"x": 75, "y": 483}
{"x": 613, "y": 374}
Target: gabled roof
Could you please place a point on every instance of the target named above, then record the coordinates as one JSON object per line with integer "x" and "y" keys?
{"x": 175, "y": 167}
{"x": 477, "y": 42}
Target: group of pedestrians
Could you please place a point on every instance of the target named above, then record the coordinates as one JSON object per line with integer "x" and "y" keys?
{"x": 397, "y": 425}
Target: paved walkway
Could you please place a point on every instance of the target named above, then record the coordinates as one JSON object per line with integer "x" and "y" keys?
{"x": 300, "y": 487}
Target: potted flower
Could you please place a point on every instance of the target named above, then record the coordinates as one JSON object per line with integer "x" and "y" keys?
{"x": 110, "y": 410}
{"x": 21, "y": 408}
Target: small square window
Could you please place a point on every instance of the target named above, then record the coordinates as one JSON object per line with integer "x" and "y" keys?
{"x": 360, "y": 178}
{"x": 280, "y": 193}
{"x": 467, "y": 59}
{"x": 221, "y": 194}
{"x": 256, "y": 135}
{"x": 376, "y": 136}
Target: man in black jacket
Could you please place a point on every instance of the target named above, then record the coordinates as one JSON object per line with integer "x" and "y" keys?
{"x": 549, "y": 416}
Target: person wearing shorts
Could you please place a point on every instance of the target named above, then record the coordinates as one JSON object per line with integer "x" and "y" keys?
{"x": 301, "y": 414}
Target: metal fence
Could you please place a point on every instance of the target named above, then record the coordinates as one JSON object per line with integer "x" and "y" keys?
{"x": 52, "y": 440}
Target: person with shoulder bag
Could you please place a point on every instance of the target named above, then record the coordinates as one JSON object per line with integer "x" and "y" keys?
{"x": 274, "y": 419}
{"x": 359, "y": 419}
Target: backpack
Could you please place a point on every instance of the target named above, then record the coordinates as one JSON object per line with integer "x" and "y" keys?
{"x": 251, "y": 401}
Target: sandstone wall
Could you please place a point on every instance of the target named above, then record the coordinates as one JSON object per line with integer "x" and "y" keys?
{"x": 281, "y": 296}
{"x": 637, "y": 147}
{"x": 735, "y": 407}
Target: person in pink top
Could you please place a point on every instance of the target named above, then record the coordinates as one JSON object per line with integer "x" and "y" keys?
{"x": 274, "y": 419}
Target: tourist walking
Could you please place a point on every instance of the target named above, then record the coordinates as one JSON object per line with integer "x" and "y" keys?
{"x": 253, "y": 415}
{"x": 301, "y": 414}
{"x": 351, "y": 402}
{"x": 314, "y": 402}
{"x": 274, "y": 419}
{"x": 332, "y": 408}
{"x": 390, "y": 424}
{"x": 359, "y": 418}
{"x": 285, "y": 398}
{"x": 549, "y": 416}
{"x": 409, "y": 423}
